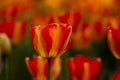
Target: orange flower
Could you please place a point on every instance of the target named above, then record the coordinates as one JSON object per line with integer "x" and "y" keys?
{"x": 51, "y": 40}
{"x": 15, "y": 30}
{"x": 113, "y": 38}
{"x": 83, "y": 68}
{"x": 38, "y": 67}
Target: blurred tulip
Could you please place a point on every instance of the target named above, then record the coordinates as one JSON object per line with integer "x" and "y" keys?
{"x": 51, "y": 40}
{"x": 113, "y": 38}
{"x": 72, "y": 18}
{"x": 38, "y": 68}
{"x": 9, "y": 13}
{"x": 101, "y": 6}
{"x": 98, "y": 30}
{"x": 83, "y": 37}
{"x": 83, "y": 68}
{"x": 10, "y": 9}
{"x": 5, "y": 44}
{"x": 5, "y": 48}
{"x": 116, "y": 75}
{"x": 86, "y": 33}
{"x": 15, "y": 30}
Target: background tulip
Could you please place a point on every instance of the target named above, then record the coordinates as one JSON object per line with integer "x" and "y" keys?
{"x": 83, "y": 68}
{"x": 116, "y": 75}
{"x": 15, "y": 30}
{"x": 5, "y": 44}
{"x": 113, "y": 38}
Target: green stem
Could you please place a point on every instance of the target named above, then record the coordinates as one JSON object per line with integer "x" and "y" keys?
{"x": 49, "y": 60}
{"x": 6, "y": 69}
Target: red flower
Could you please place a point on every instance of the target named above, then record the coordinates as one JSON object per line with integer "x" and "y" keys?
{"x": 51, "y": 40}
{"x": 71, "y": 18}
{"x": 116, "y": 75}
{"x": 14, "y": 30}
{"x": 113, "y": 38}
{"x": 38, "y": 67}
{"x": 83, "y": 37}
{"x": 83, "y": 68}
{"x": 98, "y": 30}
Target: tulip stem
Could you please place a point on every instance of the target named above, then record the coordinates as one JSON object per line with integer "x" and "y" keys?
{"x": 49, "y": 60}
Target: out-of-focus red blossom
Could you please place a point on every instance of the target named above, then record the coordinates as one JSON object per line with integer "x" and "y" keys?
{"x": 113, "y": 38}
{"x": 101, "y": 6}
{"x": 83, "y": 68}
{"x": 86, "y": 33}
{"x": 51, "y": 40}
{"x": 9, "y": 13}
{"x": 70, "y": 17}
{"x": 38, "y": 67}
{"x": 83, "y": 37}
{"x": 15, "y": 30}
{"x": 98, "y": 30}
{"x": 116, "y": 75}
{"x": 11, "y": 9}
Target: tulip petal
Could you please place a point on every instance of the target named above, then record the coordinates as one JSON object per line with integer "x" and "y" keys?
{"x": 64, "y": 38}
{"x": 113, "y": 36}
{"x": 39, "y": 42}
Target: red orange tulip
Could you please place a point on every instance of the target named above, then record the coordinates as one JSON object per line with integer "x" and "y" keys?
{"x": 113, "y": 38}
{"x": 51, "y": 40}
{"x": 15, "y": 30}
{"x": 70, "y": 17}
{"x": 83, "y": 68}
{"x": 38, "y": 68}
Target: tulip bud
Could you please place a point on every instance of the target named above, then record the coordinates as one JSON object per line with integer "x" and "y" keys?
{"x": 5, "y": 44}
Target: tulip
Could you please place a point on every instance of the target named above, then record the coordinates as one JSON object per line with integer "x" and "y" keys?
{"x": 15, "y": 30}
{"x": 83, "y": 37}
{"x": 5, "y": 44}
{"x": 113, "y": 39}
{"x": 38, "y": 68}
{"x": 13, "y": 9}
{"x": 83, "y": 68}
{"x": 98, "y": 30}
{"x": 70, "y": 17}
{"x": 51, "y": 40}
{"x": 5, "y": 48}
{"x": 116, "y": 75}
{"x": 74, "y": 20}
